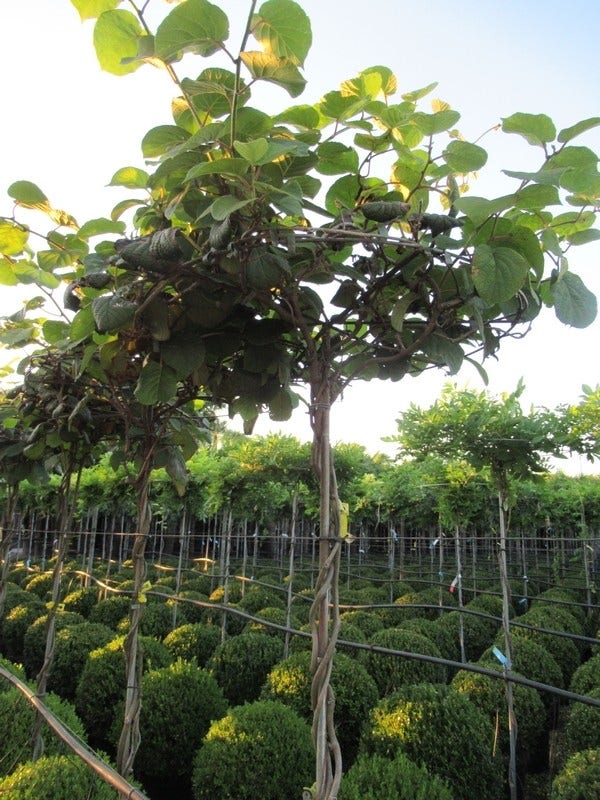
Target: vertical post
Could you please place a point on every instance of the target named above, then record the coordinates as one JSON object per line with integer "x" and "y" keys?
{"x": 288, "y": 613}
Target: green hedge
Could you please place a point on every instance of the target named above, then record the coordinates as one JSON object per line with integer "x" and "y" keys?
{"x": 378, "y": 778}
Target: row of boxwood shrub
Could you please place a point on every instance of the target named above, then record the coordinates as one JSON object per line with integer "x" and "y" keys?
{"x": 248, "y": 668}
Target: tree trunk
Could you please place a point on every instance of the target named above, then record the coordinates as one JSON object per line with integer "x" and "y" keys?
{"x": 324, "y": 614}
{"x": 129, "y": 740}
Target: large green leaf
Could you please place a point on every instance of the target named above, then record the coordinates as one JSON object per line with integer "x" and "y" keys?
{"x": 112, "y": 312}
{"x": 281, "y": 71}
{"x": 27, "y": 194}
{"x": 90, "y": 9}
{"x": 438, "y": 122}
{"x": 266, "y": 269}
{"x": 336, "y": 158}
{"x": 464, "y": 157}
{"x": 343, "y": 194}
{"x": 13, "y": 238}
{"x": 214, "y": 90}
{"x": 498, "y": 273}
{"x": 283, "y": 29}
{"x": 479, "y": 209}
{"x": 195, "y": 26}
{"x": 580, "y": 127}
{"x": 574, "y": 304}
{"x": 177, "y": 470}
{"x": 116, "y": 36}
{"x": 537, "y": 196}
{"x": 100, "y": 227}
{"x": 184, "y": 353}
{"x": 157, "y": 384}
{"x": 281, "y": 406}
{"x": 537, "y": 129}
{"x": 221, "y": 166}
{"x": 162, "y": 139}
{"x": 444, "y": 351}
{"x": 226, "y": 205}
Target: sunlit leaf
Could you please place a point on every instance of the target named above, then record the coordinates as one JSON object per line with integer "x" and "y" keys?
{"x": 566, "y": 134}
{"x": 430, "y": 124}
{"x": 90, "y": 9}
{"x": 195, "y": 26}
{"x": 537, "y": 129}
{"x": 116, "y": 35}
{"x": 99, "y": 227}
{"x": 281, "y": 71}
{"x": 13, "y": 238}
{"x": 28, "y": 194}
{"x": 283, "y": 29}
{"x": 336, "y": 158}
{"x": 130, "y": 177}
{"x": 464, "y": 157}
{"x": 417, "y": 94}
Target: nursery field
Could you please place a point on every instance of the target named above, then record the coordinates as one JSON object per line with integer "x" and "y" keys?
{"x": 419, "y": 674}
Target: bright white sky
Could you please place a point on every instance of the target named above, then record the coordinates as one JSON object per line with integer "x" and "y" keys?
{"x": 68, "y": 127}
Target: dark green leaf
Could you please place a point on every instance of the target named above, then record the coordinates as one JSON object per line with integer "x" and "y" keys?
{"x": 177, "y": 470}
{"x": 266, "y": 269}
{"x": 112, "y": 312}
{"x": 162, "y": 139}
{"x": 157, "y": 384}
{"x": 225, "y": 206}
{"x": 343, "y": 194}
{"x": 574, "y": 304}
{"x": 281, "y": 406}
{"x": 82, "y": 325}
{"x": 537, "y": 129}
{"x": 184, "y": 353}
{"x": 444, "y": 351}
{"x": 283, "y": 29}
{"x": 116, "y": 35}
{"x": 498, "y": 273}
{"x": 220, "y": 166}
{"x": 214, "y": 90}
{"x": 195, "y": 26}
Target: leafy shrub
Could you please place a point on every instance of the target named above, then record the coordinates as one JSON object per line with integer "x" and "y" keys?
{"x": 561, "y": 595}
{"x": 34, "y": 641}
{"x": 189, "y": 612}
{"x": 15, "y": 625}
{"x": 179, "y": 703}
{"x": 355, "y": 694}
{"x": 17, "y": 716}
{"x": 198, "y": 583}
{"x": 102, "y": 683}
{"x": 425, "y": 597}
{"x": 437, "y": 726}
{"x": 580, "y": 777}
{"x": 378, "y": 778}
{"x": 72, "y": 646}
{"x": 111, "y": 611}
{"x": 488, "y": 694}
{"x": 587, "y": 676}
{"x": 242, "y": 663}
{"x": 582, "y": 730}
{"x": 55, "y": 778}
{"x": 390, "y": 672}
{"x": 259, "y": 750}
{"x": 234, "y": 593}
{"x": 81, "y": 601}
{"x": 14, "y": 669}
{"x": 193, "y": 642}
{"x": 477, "y": 631}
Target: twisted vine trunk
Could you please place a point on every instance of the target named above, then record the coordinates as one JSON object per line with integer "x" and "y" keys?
{"x": 324, "y": 614}
{"x": 129, "y": 740}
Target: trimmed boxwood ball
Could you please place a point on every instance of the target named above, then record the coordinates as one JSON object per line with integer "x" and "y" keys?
{"x": 241, "y": 664}
{"x": 41, "y": 585}
{"x": 587, "y": 676}
{"x": 198, "y": 583}
{"x": 442, "y": 637}
{"x": 271, "y": 614}
{"x": 378, "y": 778}
{"x": 355, "y": 694}
{"x": 350, "y": 633}
{"x": 157, "y": 621}
{"x": 390, "y": 672}
{"x": 34, "y": 641}
{"x": 478, "y": 633}
{"x": 189, "y": 611}
{"x": 234, "y": 593}
{"x": 561, "y": 595}
{"x": 15, "y": 625}
{"x": 488, "y": 694}
{"x": 102, "y": 683}
{"x": 55, "y": 778}
{"x": 179, "y": 703}
{"x": 563, "y": 650}
{"x": 257, "y": 597}
{"x": 259, "y": 750}
{"x": 111, "y": 610}
{"x": 193, "y": 642}
{"x": 437, "y": 726}
{"x": 81, "y": 601}
{"x": 72, "y": 646}
{"x": 582, "y": 730}
{"x": 17, "y": 717}
{"x": 580, "y": 777}
{"x": 367, "y": 621}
